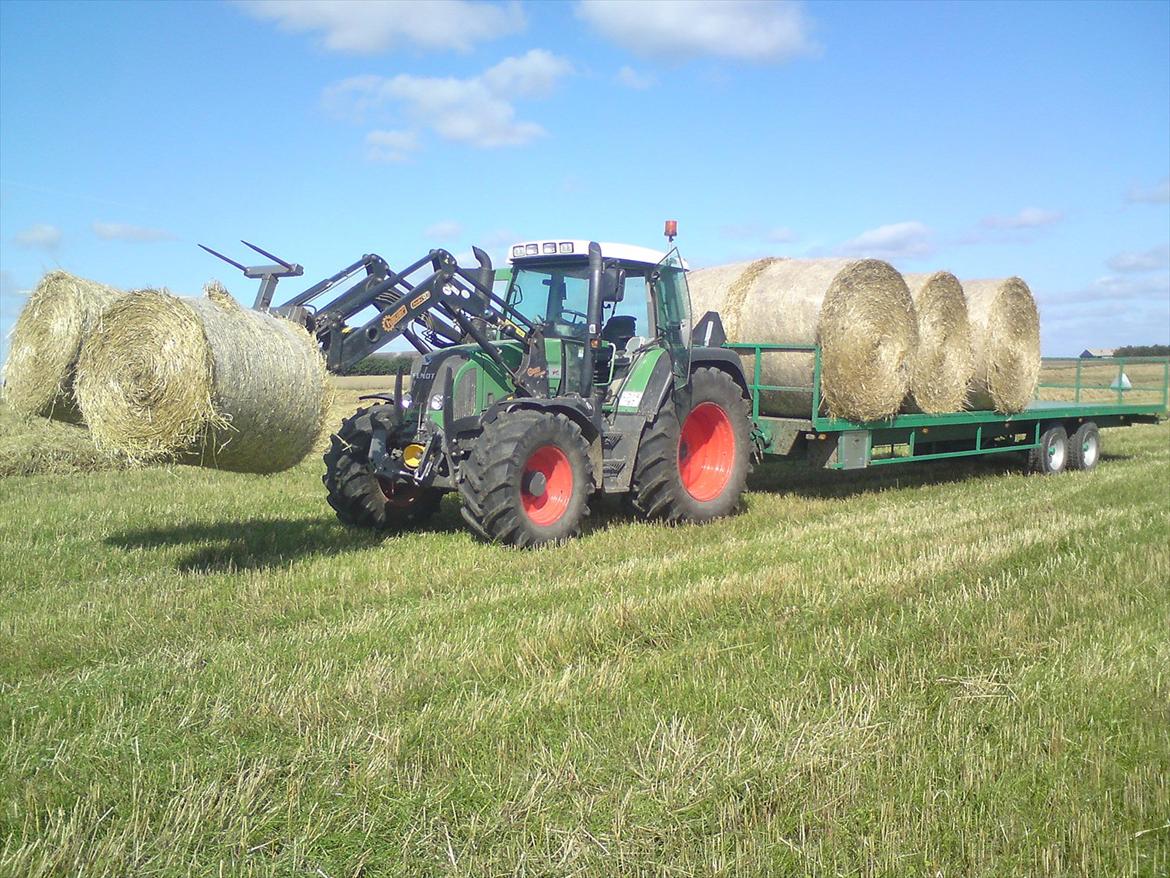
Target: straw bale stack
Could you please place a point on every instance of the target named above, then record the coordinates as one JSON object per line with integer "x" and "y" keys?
{"x": 1005, "y": 341}
{"x": 202, "y": 381}
{"x": 46, "y": 340}
{"x": 944, "y": 363}
{"x": 859, "y": 311}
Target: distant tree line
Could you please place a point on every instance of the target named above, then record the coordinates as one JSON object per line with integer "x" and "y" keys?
{"x": 1143, "y": 350}
{"x": 382, "y": 364}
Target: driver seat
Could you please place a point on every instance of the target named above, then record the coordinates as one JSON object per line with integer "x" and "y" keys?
{"x": 619, "y": 329}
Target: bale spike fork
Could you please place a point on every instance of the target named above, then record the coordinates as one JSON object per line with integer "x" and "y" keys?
{"x": 268, "y": 275}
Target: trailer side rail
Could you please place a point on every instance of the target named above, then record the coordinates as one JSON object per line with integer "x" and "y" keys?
{"x": 907, "y": 438}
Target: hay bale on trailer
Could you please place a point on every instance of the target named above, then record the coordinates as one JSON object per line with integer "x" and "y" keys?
{"x": 46, "y": 340}
{"x": 1005, "y": 341}
{"x": 859, "y": 312}
{"x": 202, "y": 381}
{"x": 943, "y": 364}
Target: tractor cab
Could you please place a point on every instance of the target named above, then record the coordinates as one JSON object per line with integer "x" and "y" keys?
{"x": 599, "y": 306}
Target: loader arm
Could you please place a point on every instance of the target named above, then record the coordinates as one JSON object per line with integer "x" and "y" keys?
{"x": 449, "y": 305}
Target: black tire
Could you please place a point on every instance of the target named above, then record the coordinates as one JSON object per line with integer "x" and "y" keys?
{"x": 527, "y": 480}
{"x": 1051, "y": 456}
{"x": 360, "y": 498}
{"x": 1084, "y": 447}
{"x": 663, "y": 486}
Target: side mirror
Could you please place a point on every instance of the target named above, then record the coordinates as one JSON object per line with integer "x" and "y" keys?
{"x": 613, "y": 285}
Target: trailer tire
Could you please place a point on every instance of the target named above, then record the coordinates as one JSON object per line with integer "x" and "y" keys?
{"x": 1084, "y": 448}
{"x": 527, "y": 480}
{"x": 695, "y": 468}
{"x": 1051, "y": 455}
{"x": 360, "y": 498}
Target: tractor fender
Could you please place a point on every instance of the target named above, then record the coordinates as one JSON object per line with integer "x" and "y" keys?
{"x": 662, "y": 380}
{"x": 723, "y": 359}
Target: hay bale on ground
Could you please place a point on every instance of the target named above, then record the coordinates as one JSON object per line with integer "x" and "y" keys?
{"x": 61, "y": 312}
{"x": 1005, "y": 342}
{"x": 202, "y": 381}
{"x": 943, "y": 364}
{"x": 859, "y": 311}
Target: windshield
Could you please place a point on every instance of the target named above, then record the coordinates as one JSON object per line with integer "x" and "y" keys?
{"x": 556, "y": 297}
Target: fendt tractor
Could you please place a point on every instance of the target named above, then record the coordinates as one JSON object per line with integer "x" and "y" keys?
{"x": 587, "y": 377}
{"x": 584, "y": 377}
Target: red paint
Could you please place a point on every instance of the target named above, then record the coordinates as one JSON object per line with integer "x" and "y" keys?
{"x": 706, "y": 451}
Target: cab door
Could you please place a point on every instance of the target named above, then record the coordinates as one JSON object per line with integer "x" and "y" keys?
{"x": 672, "y": 315}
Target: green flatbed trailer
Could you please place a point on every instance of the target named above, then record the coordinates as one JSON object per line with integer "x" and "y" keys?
{"x": 840, "y": 444}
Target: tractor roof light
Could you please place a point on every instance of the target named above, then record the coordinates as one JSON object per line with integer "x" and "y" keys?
{"x": 565, "y": 247}
{"x": 518, "y": 250}
{"x": 549, "y": 247}
{"x": 531, "y": 249}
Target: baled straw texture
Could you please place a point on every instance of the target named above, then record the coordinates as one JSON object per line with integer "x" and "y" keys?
{"x": 202, "y": 381}
{"x": 1005, "y": 341}
{"x": 943, "y": 364}
{"x": 61, "y": 312}
{"x": 859, "y": 311}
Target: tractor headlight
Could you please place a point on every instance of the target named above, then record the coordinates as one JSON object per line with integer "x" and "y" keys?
{"x": 407, "y": 400}
{"x": 436, "y": 402}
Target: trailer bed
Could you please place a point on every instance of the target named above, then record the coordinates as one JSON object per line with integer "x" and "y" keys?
{"x": 1099, "y": 391}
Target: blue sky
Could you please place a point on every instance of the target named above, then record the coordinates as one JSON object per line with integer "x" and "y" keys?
{"x": 987, "y": 139}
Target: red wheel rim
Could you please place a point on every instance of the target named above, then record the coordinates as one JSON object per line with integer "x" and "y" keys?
{"x": 706, "y": 451}
{"x": 546, "y": 485}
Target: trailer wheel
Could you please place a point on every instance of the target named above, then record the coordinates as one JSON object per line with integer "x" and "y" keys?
{"x": 527, "y": 480}
{"x": 360, "y": 498}
{"x": 694, "y": 468}
{"x": 1051, "y": 455}
{"x": 1084, "y": 448}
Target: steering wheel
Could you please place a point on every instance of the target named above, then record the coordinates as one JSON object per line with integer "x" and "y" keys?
{"x": 570, "y": 311}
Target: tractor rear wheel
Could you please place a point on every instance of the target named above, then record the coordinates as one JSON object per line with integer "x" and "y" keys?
{"x": 360, "y": 498}
{"x": 695, "y": 467}
{"x": 527, "y": 480}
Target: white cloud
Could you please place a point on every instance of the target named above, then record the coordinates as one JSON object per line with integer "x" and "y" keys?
{"x": 631, "y": 78}
{"x": 124, "y": 232}
{"x": 444, "y": 230}
{"x": 477, "y": 110}
{"x": 40, "y": 236}
{"x": 780, "y": 235}
{"x": 894, "y": 241}
{"x": 390, "y": 146}
{"x": 9, "y": 289}
{"x": 1028, "y": 218}
{"x": 370, "y": 26}
{"x": 1143, "y": 260}
{"x": 1148, "y": 288}
{"x": 752, "y": 30}
{"x": 1159, "y": 193}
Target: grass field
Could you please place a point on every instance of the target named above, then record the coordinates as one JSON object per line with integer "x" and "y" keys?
{"x": 951, "y": 670}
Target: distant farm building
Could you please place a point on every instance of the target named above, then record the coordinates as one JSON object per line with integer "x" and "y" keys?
{"x": 1097, "y": 353}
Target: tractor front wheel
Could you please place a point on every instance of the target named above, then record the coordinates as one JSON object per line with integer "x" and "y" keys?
{"x": 359, "y": 497}
{"x": 527, "y": 480}
{"x": 694, "y": 467}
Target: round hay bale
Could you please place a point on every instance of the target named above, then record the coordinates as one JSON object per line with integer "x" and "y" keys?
{"x": 1005, "y": 342}
{"x": 202, "y": 381}
{"x": 45, "y": 341}
{"x": 943, "y": 364}
{"x": 859, "y": 312}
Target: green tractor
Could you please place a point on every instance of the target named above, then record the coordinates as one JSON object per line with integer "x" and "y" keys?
{"x": 584, "y": 376}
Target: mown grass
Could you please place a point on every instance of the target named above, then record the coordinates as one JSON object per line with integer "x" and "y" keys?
{"x": 953, "y": 670}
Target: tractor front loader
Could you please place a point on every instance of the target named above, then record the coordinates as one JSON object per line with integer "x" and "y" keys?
{"x": 530, "y": 403}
